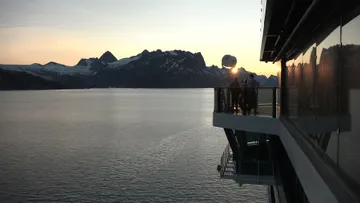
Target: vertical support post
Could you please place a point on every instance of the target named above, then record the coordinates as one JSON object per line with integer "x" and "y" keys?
{"x": 216, "y": 100}
{"x": 258, "y": 172}
{"x": 231, "y": 105}
{"x": 221, "y": 100}
{"x": 274, "y": 102}
{"x": 284, "y": 110}
{"x": 226, "y": 94}
{"x": 230, "y": 135}
{"x": 237, "y": 165}
{"x": 242, "y": 140}
{"x": 245, "y": 100}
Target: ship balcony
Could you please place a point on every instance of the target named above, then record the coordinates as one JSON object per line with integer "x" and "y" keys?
{"x": 255, "y": 165}
{"x": 238, "y": 112}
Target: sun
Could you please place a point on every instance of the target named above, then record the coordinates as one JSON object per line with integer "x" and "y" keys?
{"x": 234, "y": 70}
{"x": 278, "y": 67}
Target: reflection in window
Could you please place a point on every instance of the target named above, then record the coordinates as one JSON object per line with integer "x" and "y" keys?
{"x": 351, "y": 53}
{"x": 349, "y": 142}
{"x": 299, "y": 73}
{"x": 293, "y": 96}
{"x": 306, "y": 88}
{"x": 319, "y": 89}
{"x": 327, "y": 80}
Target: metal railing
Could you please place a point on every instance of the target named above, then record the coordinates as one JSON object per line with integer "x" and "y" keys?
{"x": 224, "y": 160}
{"x": 245, "y": 101}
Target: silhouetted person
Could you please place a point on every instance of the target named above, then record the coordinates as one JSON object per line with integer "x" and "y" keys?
{"x": 242, "y": 100}
{"x": 235, "y": 93}
{"x": 252, "y": 85}
{"x": 244, "y": 82}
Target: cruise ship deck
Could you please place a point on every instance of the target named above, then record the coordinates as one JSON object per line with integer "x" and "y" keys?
{"x": 292, "y": 144}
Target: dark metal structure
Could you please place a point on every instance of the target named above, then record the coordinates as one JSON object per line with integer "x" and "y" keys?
{"x": 304, "y": 143}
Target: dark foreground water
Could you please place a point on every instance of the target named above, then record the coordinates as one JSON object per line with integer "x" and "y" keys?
{"x": 113, "y": 145}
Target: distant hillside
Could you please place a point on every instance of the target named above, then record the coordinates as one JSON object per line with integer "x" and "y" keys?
{"x": 10, "y": 80}
{"x": 156, "y": 69}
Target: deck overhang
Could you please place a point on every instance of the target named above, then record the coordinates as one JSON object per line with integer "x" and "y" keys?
{"x": 313, "y": 174}
{"x": 250, "y": 179}
{"x": 279, "y": 19}
{"x": 290, "y": 26}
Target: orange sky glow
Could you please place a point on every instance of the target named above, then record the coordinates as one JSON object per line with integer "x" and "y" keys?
{"x": 66, "y": 35}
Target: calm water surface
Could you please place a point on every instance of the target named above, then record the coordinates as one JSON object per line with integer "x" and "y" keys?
{"x": 113, "y": 145}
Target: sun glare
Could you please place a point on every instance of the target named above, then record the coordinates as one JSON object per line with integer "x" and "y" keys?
{"x": 234, "y": 70}
{"x": 278, "y": 66}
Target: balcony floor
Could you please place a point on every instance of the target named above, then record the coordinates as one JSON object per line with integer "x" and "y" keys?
{"x": 263, "y": 110}
{"x": 260, "y": 123}
{"x": 230, "y": 173}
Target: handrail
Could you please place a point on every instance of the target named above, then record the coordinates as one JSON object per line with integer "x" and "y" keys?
{"x": 224, "y": 160}
{"x": 262, "y": 87}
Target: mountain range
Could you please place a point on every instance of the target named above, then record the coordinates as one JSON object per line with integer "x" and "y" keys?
{"x": 156, "y": 69}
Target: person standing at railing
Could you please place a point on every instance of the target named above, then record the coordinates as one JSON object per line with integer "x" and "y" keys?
{"x": 242, "y": 100}
{"x": 253, "y": 86}
{"x": 235, "y": 94}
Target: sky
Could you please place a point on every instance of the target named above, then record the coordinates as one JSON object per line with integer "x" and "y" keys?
{"x": 64, "y": 31}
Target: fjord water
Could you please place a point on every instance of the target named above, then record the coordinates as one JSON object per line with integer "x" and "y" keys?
{"x": 108, "y": 145}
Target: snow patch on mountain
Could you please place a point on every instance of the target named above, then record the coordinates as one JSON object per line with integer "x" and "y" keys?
{"x": 178, "y": 64}
{"x": 173, "y": 53}
{"x": 86, "y": 62}
{"x": 123, "y": 61}
{"x": 43, "y": 70}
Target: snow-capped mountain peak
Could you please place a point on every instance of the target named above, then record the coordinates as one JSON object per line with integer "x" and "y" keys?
{"x": 175, "y": 68}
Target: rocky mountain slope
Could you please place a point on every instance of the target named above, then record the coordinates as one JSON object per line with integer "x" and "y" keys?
{"x": 11, "y": 80}
{"x": 156, "y": 69}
